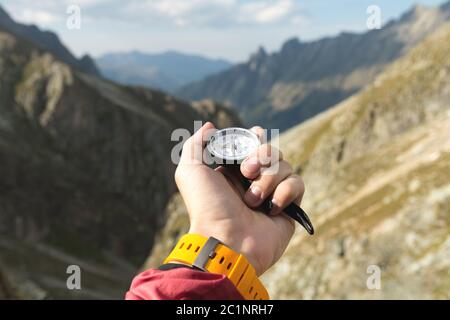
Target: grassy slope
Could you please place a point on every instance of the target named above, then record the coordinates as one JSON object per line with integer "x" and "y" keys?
{"x": 377, "y": 174}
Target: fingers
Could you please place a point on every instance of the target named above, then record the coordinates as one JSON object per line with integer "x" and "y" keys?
{"x": 260, "y": 132}
{"x": 192, "y": 152}
{"x": 289, "y": 190}
{"x": 266, "y": 156}
{"x": 265, "y": 184}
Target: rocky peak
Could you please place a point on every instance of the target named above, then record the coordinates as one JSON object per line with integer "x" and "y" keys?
{"x": 88, "y": 65}
{"x": 259, "y": 55}
{"x": 445, "y": 6}
{"x": 257, "y": 59}
{"x": 414, "y": 13}
{"x": 290, "y": 45}
{"x": 4, "y": 16}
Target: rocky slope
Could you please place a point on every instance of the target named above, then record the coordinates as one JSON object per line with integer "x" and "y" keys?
{"x": 86, "y": 173}
{"x": 161, "y": 71}
{"x": 48, "y": 41}
{"x": 377, "y": 171}
{"x": 282, "y": 89}
{"x": 377, "y": 174}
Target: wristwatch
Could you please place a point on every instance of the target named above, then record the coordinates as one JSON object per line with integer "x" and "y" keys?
{"x": 209, "y": 254}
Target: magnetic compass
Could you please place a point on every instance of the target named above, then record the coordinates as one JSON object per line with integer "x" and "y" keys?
{"x": 230, "y": 146}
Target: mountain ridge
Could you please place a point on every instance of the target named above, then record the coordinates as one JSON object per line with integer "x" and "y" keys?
{"x": 48, "y": 41}
{"x": 167, "y": 70}
{"x": 302, "y": 79}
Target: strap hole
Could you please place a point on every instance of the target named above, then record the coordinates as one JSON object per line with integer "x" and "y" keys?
{"x": 251, "y": 289}
{"x": 256, "y": 294}
{"x": 182, "y": 245}
{"x": 221, "y": 260}
{"x": 240, "y": 278}
{"x": 189, "y": 246}
{"x": 229, "y": 266}
{"x": 198, "y": 248}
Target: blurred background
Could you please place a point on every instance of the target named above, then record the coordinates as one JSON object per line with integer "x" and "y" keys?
{"x": 90, "y": 91}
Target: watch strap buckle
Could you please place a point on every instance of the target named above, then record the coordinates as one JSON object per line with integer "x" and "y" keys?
{"x": 207, "y": 252}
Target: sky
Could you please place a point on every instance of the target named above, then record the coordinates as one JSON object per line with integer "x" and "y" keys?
{"x": 227, "y": 29}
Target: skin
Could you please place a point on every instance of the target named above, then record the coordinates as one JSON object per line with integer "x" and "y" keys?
{"x": 219, "y": 207}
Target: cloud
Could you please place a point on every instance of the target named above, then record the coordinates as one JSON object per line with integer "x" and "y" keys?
{"x": 265, "y": 12}
{"x": 164, "y": 13}
{"x": 214, "y": 13}
{"x": 47, "y": 12}
{"x": 39, "y": 17}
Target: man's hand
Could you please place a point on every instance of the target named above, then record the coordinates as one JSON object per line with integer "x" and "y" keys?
{"x": 219, "y": 207}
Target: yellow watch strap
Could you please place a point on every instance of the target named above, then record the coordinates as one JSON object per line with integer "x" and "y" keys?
{"x": 211, "y": 255}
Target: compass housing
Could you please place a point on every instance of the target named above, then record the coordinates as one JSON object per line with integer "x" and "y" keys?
{"x": 232, "y": 145}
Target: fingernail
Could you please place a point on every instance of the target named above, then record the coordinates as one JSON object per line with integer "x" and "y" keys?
{"x": 275, "y": 207}
{"x": 253, "y": 196}
{"x": 252, "y": 165}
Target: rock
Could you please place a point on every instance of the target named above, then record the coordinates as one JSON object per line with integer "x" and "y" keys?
{"x": 86, "y": 171}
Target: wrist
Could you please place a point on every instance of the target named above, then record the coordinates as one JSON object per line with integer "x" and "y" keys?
{"x": 233, "y": 241}
{"x": 177, "y": 262}
{"x": 211, "y": 255}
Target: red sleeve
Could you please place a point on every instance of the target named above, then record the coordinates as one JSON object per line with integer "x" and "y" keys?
{"x": 182, "y": 284}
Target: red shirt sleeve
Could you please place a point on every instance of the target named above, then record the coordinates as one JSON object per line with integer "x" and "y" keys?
{"x": 181, "y": 284}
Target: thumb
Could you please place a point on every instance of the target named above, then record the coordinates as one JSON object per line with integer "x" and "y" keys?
{"x": 192, "y": 152}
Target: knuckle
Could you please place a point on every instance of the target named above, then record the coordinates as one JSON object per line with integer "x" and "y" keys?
{"x": 257, "y": 129}
{"x": 264, "y": 153}
{"x": 300, "y": 183}
{"x": 289, "y": 190}
{"x": 266, "y": 183}
{"x": 268, "y": 154}
{"x": 300, "y": 187}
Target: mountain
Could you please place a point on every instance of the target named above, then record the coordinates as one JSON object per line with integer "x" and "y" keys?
{"x": 48, "y": 41}
{"x": 167, "y": 71}
{"x": 377, "y": 175}
{"x": 86, "y": 173}
{"x": 282, "y": 89}
{"x": 377, "y": 171}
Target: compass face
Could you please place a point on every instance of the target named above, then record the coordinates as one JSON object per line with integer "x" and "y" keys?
{"x": 233, "y": 144}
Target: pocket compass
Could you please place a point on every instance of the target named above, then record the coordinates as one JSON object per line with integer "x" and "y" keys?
{"x": 230, "y": 146}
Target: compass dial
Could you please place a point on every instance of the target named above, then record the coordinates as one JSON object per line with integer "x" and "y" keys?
{"x": 233, "y": 144}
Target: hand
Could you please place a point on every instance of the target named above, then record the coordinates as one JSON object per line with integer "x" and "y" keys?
{"x": 219, "y": 207}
